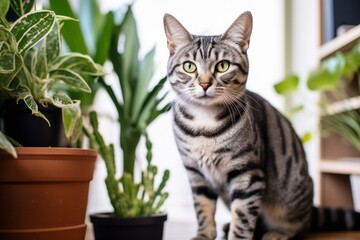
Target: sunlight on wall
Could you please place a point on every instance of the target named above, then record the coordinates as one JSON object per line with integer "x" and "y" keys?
{"x": 208, "y": 17}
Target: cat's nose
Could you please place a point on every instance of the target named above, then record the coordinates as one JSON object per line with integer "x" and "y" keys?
{"x": 205, "y": 85}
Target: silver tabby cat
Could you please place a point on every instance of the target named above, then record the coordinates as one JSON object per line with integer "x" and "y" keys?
{"x": 235, "y": 145}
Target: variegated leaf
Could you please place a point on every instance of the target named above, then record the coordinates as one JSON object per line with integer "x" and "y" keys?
{"x": 71, "y": 79}
{"x": 22, "y": 6}
{"x": 6, "y": 145}
{"x": 72, "y": 121}
{"x": 32, "y": 105}
{"x": 8, "y": 39}
{"x": 53, "y": 43}
{"x": 80, "y": 63}
{"x": 10, "y": 64}
{"x": 39, "y": 65}
{"x": 7, "y": 61}
{"x": 61, "y": 100}
{"x": 31, "y": 28}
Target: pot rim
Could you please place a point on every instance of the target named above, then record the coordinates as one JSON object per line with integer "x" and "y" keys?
{"x": 109, "y": 218}
{"x": 52, "y": 151}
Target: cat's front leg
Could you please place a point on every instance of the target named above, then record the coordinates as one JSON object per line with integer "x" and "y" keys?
{"x": 205, "y": 205}
{"x": 245, "y": 196}
{"x": 205, "y": 211}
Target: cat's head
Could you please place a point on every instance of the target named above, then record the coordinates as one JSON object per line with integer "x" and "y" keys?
{"x": 208, "y": 70}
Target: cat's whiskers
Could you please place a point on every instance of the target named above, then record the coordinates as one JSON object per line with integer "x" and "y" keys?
{"x": 237, "y": 101}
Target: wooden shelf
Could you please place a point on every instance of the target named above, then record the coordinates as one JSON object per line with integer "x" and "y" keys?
{"x": 343, "y": 166}
{"x": 343, "y": 42}
{"x": 343, "y": 106}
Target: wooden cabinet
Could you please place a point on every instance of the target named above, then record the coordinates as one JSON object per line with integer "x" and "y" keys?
{"x": 338, "y": 159}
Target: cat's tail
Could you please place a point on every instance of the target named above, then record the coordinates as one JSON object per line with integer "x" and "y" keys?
{"x": 334, "y": 219}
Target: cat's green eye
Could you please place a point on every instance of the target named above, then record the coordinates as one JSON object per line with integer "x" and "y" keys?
{"x": 189, "y": 67}
{"x": 222, "y": 66}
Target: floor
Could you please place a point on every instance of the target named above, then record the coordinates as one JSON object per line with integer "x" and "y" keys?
{"x": 185, "y": 231}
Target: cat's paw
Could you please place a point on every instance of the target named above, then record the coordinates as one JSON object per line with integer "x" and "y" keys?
{"x": 275, "y": 236}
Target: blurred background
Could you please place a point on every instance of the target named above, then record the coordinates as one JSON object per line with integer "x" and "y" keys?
{"x": 285, "y": 39}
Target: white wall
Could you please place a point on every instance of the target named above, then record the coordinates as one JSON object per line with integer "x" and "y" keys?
{"x": 303, "y": 35}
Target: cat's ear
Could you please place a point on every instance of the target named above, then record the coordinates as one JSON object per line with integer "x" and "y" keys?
{"x": 176, "y": 33}
{"x": 240, "y": 31}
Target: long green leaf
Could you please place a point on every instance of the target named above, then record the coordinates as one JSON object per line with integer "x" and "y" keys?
{"x": 90, "y": 21}
{"x": 128, "y": 69}
{"x": 31, "y": 28}
{"x": 4, "y": 7}
{"x": 71, "y": 31}
{"x": 21, "y": 7}
{"x": 70, "y": 78}
{"x": 103, "y": 39}
{"x": 147, "y": 70}
{"x": 150, "y": 104}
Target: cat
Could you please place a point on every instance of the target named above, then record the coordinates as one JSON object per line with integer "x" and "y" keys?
{"x": 235, "y": 145}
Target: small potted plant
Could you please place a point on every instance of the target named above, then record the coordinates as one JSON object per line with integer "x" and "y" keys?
{"x": 136, "y": 204}
{"x": 43, "y": 190}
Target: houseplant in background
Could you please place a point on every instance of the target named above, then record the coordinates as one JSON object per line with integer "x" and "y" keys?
{"x": 43, "y": 190}
{"x": 339, "y": 105}
{"x": 90, "y": 35}
{"x": 136, "y": 204}
{"x": 338, "y": 81}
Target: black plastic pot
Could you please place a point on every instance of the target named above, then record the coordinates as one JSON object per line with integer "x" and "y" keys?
{"x": 30, "y": 130}
{"x": 107, "y": 226}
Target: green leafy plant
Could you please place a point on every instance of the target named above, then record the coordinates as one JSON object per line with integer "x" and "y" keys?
{"x": 138, "y": 106}
{"x": 91, "y": 36}
{"x": 128, "y": 197}
{"x": 288, "y": 87}
{"x": 33, "y": 69}
{"x": 339, "y": 110}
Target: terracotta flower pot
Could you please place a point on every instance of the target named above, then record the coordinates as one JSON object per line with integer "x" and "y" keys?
{"x": 44, "y": 193}
{"x": 107, "y": 226}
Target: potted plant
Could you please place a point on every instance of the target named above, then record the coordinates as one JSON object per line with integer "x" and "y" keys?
{"x": 35, "y": 76}
{"x": 135, "y": 203}
{"x": 43, "y": 190}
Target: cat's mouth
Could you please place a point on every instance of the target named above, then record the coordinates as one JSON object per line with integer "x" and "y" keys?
{"x": 205, "y": 96}
{"x": 205, "y": 99}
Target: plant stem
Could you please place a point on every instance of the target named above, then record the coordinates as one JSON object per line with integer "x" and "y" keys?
{"x": 129, "y": 139}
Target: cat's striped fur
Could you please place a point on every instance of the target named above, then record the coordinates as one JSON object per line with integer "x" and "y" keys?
{"x": 233, "y": 143}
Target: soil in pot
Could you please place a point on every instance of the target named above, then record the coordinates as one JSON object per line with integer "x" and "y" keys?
{"x": 107, "y": 226}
